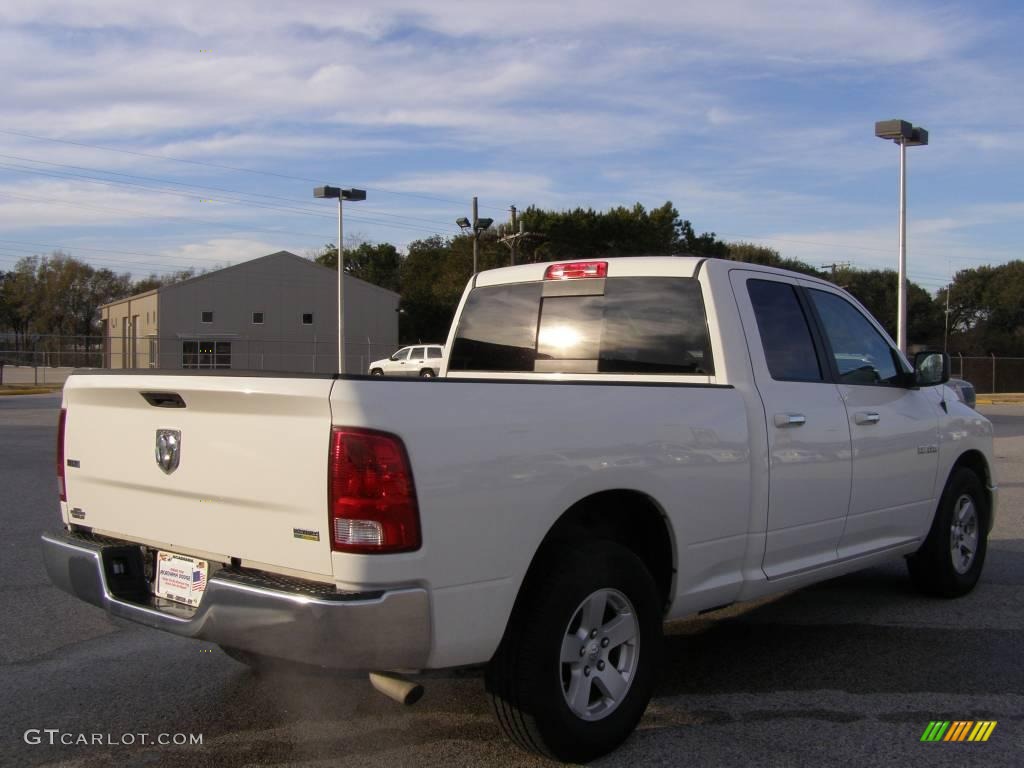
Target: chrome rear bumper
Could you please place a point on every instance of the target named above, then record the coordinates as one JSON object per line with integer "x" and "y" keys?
{"x": 385, "y": 630}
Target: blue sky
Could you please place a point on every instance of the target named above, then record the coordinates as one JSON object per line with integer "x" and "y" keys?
{"x": 149, "y": 137}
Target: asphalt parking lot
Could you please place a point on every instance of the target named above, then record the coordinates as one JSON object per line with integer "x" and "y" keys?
{"x": 849, "y": 672}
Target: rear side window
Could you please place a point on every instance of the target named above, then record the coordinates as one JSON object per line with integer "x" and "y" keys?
{"x": 417, "y": 353}
{"x": 433, "y": 352}
{"x": 652, "y": 325}
{"x": 785, "y": 335}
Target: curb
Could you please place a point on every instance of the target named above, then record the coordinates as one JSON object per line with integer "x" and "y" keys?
{"x": 5, "y": 392}
{"x": 1007, "y": 399}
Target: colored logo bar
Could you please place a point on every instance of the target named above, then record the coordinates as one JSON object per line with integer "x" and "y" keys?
{"x": 959, "y": 730}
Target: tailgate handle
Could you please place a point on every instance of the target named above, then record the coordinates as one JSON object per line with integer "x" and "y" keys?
{"x": 164, "y": 399}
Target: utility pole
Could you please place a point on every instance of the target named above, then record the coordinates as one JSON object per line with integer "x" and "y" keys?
{"x": 515, "y": 229}
{"x": 516, "y": 234}
{"x": 836, "y": 265}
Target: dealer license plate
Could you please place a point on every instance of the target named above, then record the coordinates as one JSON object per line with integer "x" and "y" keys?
{"x": 180, "y": 578}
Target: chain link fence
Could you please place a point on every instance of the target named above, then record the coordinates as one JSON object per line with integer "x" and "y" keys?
{"x": 41, "y": 359}
{"x": 44, "y": 356}
{"x": 992, "y": 374}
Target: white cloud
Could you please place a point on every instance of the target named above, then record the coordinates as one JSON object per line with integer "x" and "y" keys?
{"x": 502, "y": 75}
{"x": 223, "y": 251}
{"x": 493, "y": 185}
{"x": 735, "y": 109}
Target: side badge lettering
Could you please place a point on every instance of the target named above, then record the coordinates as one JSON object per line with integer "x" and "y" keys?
{"x": 306, "y": 535}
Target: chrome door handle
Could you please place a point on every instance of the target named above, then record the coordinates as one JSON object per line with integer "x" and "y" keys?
{"x": 790, "y": 419}
{"x": 866, "y": 417}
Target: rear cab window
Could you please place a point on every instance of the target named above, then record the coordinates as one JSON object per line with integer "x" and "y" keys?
{"x": 615, "y": 325}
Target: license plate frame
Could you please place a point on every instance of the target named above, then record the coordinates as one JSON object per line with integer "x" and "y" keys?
{"x": 180, "y": 578}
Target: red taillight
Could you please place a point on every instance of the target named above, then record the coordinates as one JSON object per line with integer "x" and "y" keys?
{"x": 576, "y": 269}
{"x": 60, "y": 455}
{"x": 371, "y": 497}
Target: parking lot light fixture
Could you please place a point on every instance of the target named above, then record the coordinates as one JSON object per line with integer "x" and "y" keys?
{"x": 476, "y": 227}
{"x": 353, "y": 195}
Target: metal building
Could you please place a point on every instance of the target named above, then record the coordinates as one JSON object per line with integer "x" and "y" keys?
{"x": 274, "y": 313}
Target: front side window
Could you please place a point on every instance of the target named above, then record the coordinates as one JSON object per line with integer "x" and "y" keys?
{"x": 401, "y": 354}
{"x": 631, "y": 325}
{"x": 785, "y": 335}
{"x": 861, "y": 353}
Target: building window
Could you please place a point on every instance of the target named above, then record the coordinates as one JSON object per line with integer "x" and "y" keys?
{"x": 205, "y": 354}
{"x": 257, "y": 318}
{"x": 207, "y": 317}
{"x": 307, "y": 318}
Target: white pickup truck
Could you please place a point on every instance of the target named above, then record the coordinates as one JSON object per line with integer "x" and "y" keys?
{"x": 611, "y": 444}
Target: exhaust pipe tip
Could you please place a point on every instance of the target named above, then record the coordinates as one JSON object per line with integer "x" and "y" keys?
{"x": 397, "y": 688}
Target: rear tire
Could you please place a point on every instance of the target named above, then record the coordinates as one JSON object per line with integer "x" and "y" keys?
{"x": 949, "y": 562}
{"x": 575, "y": 670}
{"x": 427, "y": 373}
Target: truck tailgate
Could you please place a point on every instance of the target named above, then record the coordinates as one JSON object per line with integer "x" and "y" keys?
{"x": 251, "y": 478}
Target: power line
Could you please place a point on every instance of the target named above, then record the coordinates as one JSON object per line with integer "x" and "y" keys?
{"x": 228, "y": 225}
{"x": 207, "y": 164}
{"x": 247, "y": 203}
{"x": 200, "y": 187}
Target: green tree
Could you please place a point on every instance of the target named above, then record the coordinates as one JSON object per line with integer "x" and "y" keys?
{"x": 769, "y": 257}
{"x": 987, "y": 310}
{"x": 377, "y": 263}
{"x": 583, "y": 233}
{"x": 434, "y": 273}
{"x": 153, "y": 281}
{"x": 876, "y": 289}
{"x": 57, "y": 295}
{"x": 21, "y": 299}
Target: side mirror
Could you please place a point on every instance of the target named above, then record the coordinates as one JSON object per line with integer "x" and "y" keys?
{"x": 931, "y": 368}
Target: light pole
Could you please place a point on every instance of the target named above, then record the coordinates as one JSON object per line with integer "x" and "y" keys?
{"x": 341, "y": 195}
{"x": 478, "y": 225}
{"x": 905, "y": 135}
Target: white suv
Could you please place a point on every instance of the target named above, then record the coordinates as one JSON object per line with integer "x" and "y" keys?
{"x": 420, "y": 360}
